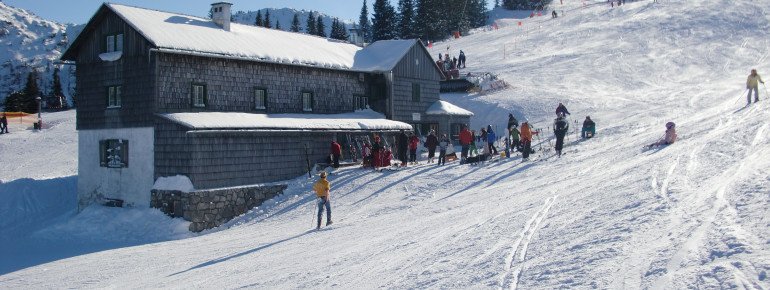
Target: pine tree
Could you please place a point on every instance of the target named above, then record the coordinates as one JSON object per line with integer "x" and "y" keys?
{"x": 477, "y": 13}
{"x": 56, "y": 83}
{"x": 259, "y": 21}
{"x": 497, "y": 3}
{"x": 364, "y": 25}
{"x": 310, "y": 26}
{"x": 295, "y": 23}
{"x": 338, "y": 30}
{"x": 320, "y": 27}
{"x": 406, "y": 29}
{"x": 430, "y": 22}
{"x": 383, "y": 21}
{"x": 267, "y": 19}
{"x": 277, "y": 24}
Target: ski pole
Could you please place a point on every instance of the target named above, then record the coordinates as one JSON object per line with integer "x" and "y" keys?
{"x": 312, "y": 211}
{"x": 763, "y": 85}
{"x": 739, "y": 97}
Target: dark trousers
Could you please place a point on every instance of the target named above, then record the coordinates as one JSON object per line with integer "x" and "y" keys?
{"x": 413, "y": 155}
{"x": 431, "y": 152}
{"x": 464, "y": 153}
{"x": 492, "y": 148}
{"x": 324, "y": 202}
{"x": 336, "y": 160}
{"x": 559, "y": 143}
{"x": 526, "y": 144}
{"x": 441, "y": 157}
{"x": 402, "y": 155}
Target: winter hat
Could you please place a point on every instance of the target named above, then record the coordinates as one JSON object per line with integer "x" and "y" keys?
{"x": 670, "y": 125}
{"x": 323, "y": 174}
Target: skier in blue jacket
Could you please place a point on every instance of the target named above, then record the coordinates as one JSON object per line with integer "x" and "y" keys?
{"x": 491, "y": 138}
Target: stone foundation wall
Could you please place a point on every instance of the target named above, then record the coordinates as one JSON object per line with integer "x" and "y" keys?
{"x": 207, "y": 209}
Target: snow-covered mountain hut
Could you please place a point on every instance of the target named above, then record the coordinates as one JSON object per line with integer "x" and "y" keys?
{"x": 228, "y": 105}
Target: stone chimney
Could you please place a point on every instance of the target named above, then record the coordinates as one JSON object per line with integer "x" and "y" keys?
{"x": 220, "y": 14}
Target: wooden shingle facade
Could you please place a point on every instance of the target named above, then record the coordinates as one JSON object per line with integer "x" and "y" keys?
{"x": 132, "y": 80}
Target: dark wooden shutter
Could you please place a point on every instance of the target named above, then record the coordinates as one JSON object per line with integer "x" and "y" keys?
{"x": 124, "y": 152}
{"x": 103, "y": 153}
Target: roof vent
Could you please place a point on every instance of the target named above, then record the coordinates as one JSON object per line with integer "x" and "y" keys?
{"x": 220, "y": 14}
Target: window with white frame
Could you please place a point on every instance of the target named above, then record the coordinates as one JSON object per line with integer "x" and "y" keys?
{"x": 113, "y": 153}
{"x": 199, "y": 95}
{"x": 115, "y": 42}
{"x": 260, "y": 98}
{"x": 114, "y": 96}
{"x": 307, "y": 101}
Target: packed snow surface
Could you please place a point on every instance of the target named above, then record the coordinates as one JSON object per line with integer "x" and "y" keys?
{"x": 177, "y": 182}
{"x": 608, "y": 214}
{"x": 446, "y": 108}
{"x": 358, "y": 120}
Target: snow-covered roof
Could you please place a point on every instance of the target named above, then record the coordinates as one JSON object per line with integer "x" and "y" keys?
{"x": 446, "y": 108}
{"x": 184, "y": 33}
{"x": 365, "y": 120}
{"x": 382, "y": 55}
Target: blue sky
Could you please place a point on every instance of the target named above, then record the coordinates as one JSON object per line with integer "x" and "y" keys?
{"x": 79, "y": 11}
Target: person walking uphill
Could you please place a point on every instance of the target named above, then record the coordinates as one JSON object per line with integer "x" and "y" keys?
{"x": 560, "y": 128}
{"x": 752, "y": 84}
{"x": 561, "y": 110}
{"x": 336, "y": 151}
{"x": 322, "y": 189}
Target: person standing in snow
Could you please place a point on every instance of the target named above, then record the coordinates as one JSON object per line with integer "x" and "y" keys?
{"x": 752, "y": 84}
{"x": 403, "y": 144}
{"x": 413, "y": 142}
{"x": 512, "y": 122}
{"x": 462, "y": 59}
{"x": 3, "y": 124}
{"x": 669, "y": 138}
{"x": 322, "y": 190}
{"x": 465, "y": 142}
{"x": 526, "y": 140}
{"x": 376, "y": 151}
{"x": 431, "y": 143}
{"x": 336, "y": 151}
{"x": 560, "y": 128}
{"x": 589, "y": 128}
{"x": 472, "y": 149}
{"x": 442, "y": 145}
{"x": 366, "y": 154}
{"x": 561, "y": 110}
{"x": 514, "y": 136}
{"x": 491, "y": 138}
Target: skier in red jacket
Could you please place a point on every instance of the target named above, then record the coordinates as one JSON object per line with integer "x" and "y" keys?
{"x": 336, "y": 151}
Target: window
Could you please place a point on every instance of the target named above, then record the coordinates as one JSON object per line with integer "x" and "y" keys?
{"x": 456, "y": 127}
{"x": 307, "y": 101}
{"x": 115, "y": 42}
{"x": 260, "y": 98}
{"x": 114, "y": 96}
{"x": 199, "y": 95}
{"x": 360, "y": 102}
{"x": 415, "y": 92}
{"x": 113, "y": 153}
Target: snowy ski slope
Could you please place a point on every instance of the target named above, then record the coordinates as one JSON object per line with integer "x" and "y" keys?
{"x": 606, "y": 215}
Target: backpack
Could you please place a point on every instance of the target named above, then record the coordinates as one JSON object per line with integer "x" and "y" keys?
{"x": 560, "y": 124}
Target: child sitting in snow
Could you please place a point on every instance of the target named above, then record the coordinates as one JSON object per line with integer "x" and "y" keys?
{"x": 670, "y": 137}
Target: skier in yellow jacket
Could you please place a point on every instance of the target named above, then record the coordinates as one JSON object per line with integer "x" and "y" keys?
{"x": 322, "y": 188}
{"x": 752, "y": 83}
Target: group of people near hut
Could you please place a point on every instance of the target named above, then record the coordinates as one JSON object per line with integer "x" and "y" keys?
{"x": 451, "y": 66}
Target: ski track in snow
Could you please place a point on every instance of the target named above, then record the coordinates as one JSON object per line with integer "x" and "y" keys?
{"x": 518, "y": 253}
